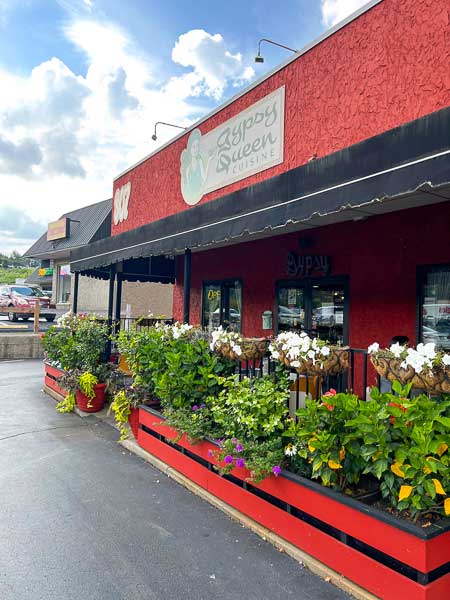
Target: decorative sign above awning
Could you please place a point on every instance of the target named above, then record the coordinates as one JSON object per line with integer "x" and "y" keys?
{"x": 58, "y": 230}
{"x": 250, "y": 142}
{"x": 121, "y": 199}
{"x": 307, "y": 265}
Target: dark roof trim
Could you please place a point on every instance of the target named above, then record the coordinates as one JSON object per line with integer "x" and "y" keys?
{"x": 394, "y": 163}
{"x": 87, "y": 224}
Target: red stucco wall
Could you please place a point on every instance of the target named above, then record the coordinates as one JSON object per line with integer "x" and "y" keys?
{"x": 388, "y": 67}
{"x": 380, "y": 256}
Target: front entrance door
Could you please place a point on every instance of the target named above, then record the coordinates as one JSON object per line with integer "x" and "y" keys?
{"x": 222, "y": 304}
{"x": 317, "y": 306}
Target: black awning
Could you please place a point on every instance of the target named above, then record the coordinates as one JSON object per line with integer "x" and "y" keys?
{"x": 413, "y": 157}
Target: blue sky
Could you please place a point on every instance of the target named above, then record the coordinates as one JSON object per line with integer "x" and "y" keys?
{"x": 83, "y": 81}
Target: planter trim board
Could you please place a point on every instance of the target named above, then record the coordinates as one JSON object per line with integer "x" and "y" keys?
{"x": 51, "y": 380}
{"x": 387, "y": 556}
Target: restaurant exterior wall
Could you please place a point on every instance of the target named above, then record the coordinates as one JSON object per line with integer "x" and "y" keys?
{"x": 379, "y": 255}
{"x": 385, "y": 68}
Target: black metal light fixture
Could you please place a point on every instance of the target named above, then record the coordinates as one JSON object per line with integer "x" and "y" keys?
{"x": 155, "y": 137}
{"x": 260, "y": 59}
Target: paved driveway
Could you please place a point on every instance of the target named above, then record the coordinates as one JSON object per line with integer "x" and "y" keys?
{"x": 81, "y": 519}
{"x": 21, "y": 326}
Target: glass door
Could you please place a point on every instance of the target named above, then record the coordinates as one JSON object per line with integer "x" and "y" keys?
{"x": 222, "y": 305}
{"x": 327, "y": 312}
{"x": 291, "y": 309}
{"x": 318, "y": 307}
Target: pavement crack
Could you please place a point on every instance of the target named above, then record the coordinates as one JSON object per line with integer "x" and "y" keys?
{"x": 8, "y": 437}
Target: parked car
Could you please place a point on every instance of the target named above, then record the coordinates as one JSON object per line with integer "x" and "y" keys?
{"x": 25, "y": 298}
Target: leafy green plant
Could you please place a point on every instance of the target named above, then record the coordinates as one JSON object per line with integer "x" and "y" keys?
{"x": 196, "y": 422}
{"x": 251, "y": 408}
{"x": 321, "y": 446}
{"x": 55, "y": 341}
{"x": 87, "y": 383}
{"x": 251, "y": 415}
{"x": 191, "y": 373}
{"x": 124, "y": 400}
{"x": 67, "y": 405}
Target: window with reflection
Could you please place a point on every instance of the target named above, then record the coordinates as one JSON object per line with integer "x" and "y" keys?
{"x": 435, "y": 306}
{"x": 222, "y": 305}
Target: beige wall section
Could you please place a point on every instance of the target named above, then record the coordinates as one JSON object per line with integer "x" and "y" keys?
{"x": 143, "y": 298}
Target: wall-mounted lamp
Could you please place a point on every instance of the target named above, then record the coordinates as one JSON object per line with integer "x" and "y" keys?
{"x": 155, "y": 137}
{"x": 260, "y": 59}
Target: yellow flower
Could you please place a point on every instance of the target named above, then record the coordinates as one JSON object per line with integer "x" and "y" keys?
{"x": 342, "y": 454}
{"x": 427, "y": 470}
{"x": 334, "y": 465}
{"x": 438, "y": 487}
{"x": 447, "y": 507}
{"x": 311, "y": 447}
{"x": 395, "y": 468}
{"x": 405, "y": 492}
{"x": 442, "y": 448}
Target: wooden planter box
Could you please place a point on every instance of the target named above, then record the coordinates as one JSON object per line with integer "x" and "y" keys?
{"x": 389, "y": 557}
{"x": 51, "y": 379}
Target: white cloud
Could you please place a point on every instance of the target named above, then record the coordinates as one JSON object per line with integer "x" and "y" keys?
{"x": 214, "y": 67}
{"x": 64, "y": 136}
{"x": 334, "y": 11}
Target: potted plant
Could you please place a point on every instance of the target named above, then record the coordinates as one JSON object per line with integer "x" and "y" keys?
{"x": 77, "y": 345}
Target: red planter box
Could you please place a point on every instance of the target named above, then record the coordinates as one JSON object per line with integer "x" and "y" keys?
{"x": 51, "y": 379}
{"x": 133, "y": 421}
{"x": 389, "y": 557}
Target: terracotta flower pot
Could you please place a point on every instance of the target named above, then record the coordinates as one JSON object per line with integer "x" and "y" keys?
{"x": 85, "y": 404}
{"x": 133, "y": 421}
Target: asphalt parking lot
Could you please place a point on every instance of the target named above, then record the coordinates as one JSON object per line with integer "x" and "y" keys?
{"x": 21, "y": 326}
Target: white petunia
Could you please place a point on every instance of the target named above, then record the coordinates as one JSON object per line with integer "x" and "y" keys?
{"x": 396, "y": 349}
{"x": 373, "y": 348}
{"x": 446, "y": 360}
{"x": 325, "y": 351}
{"x": 427, "y": 350}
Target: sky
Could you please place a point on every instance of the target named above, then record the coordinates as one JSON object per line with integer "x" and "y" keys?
{"x": 82, "y": 83}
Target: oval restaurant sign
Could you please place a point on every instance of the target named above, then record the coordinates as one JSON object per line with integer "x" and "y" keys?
{"x": 244, "y": 145}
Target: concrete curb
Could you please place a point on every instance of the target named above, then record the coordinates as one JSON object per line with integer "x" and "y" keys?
{"x": 282, "y": 545}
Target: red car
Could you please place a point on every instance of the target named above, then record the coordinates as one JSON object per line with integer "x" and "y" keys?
{"x": 25, "y": 297}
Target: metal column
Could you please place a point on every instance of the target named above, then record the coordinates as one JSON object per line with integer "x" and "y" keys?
{"x": 187, "y": 284}
{"x": 75, "y": 292}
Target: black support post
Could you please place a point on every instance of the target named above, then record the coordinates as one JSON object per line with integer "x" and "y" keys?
{"x": 187, "y": 284}
{"x": 112, "y": 279}
{"x": 118, "y": 304}
{"x": 75, "y": 292}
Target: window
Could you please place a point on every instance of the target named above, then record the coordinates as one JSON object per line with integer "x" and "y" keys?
{"x": 63, "y": 289}
{"x": 28, "y": 291}
{"x": 222, "y": 304}
{"x": 434, "y": 305}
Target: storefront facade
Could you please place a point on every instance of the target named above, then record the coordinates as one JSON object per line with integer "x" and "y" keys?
{"x": 317, "y": 199}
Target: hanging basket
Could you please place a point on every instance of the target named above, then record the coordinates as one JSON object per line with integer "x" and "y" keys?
{"x": 433, "y": 381}
{"x": 252, "y": 349}
{"x": 335, "y": 363}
